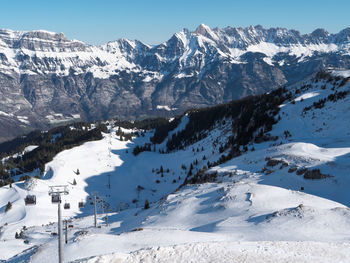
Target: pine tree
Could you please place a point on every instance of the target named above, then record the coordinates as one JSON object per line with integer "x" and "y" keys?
{"x": 16, "y": 236}
{"x": 119, "y": 131}
{"x": 8, "y": 206}
{"x": 146, "y": 204}
{"x": 74, "y": 182}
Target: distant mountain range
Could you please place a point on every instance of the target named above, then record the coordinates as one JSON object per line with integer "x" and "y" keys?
{"x": 46, "y": 79}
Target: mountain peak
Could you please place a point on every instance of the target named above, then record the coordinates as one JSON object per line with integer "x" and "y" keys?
{"x": 202, "y": 29}
{"x": 343, "y": 35}
{"x": 320, "y": 33}
{"x": 206, "y": 31}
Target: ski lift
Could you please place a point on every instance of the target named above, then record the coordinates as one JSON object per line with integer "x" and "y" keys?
{"x": 67, "y": 206}
{"x": 55, "y": 198}
{"x": 30, "y": 200}
{"x": 81, "y": 204}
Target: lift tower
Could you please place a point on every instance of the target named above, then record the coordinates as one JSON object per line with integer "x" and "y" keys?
{"x": 55, "y": 193}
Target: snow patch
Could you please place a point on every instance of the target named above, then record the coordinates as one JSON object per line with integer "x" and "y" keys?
{"x": 165, "y": 107}
{"x": 307, "y": 96}
{"x": 342, "y": 73}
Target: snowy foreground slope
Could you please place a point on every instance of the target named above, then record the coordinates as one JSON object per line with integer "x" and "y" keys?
{"x": 261, "y": 207}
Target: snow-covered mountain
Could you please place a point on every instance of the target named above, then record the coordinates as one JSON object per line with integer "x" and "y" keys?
{"x": 46, "y": 79}
{"x": 277, "y": 194}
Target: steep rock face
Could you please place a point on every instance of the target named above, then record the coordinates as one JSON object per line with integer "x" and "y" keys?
{"x": 46, "y": 79}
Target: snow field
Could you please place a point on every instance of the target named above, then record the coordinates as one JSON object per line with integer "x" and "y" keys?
{"x": 243, "y": 252}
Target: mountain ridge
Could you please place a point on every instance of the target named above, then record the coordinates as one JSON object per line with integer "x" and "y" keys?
{"x": 202, "y": 29}
{"x": 229, "y": 37}
{"x": 47, "y": 79}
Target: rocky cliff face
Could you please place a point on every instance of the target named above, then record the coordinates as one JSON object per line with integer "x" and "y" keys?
{"x": 47, "y": 79}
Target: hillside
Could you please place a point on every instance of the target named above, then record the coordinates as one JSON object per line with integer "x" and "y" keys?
{"x": 257, "y": 179}
{"x": 47, "y": 79}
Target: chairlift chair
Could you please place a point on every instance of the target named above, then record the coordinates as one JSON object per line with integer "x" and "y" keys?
{"x": 55, "y": 198}
{"x": 30, "y": 200}
{"x": 67, "y": 206}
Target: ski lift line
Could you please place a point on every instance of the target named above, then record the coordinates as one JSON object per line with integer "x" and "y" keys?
{"x": 55, "y": 193}
{"x": 71, "y": 193}
{"x": 50, "y": 186}
{"x": 58, "y": 190}
{"x": 76, "y": 196}
{"x": 65, "y": 191}
{"x": 43, "y": 181}
{"x": 31, "y": 200}
{"x": 79, "y": 197}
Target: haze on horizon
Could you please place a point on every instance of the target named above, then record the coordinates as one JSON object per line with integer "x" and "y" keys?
{"x": 154, "y": 21}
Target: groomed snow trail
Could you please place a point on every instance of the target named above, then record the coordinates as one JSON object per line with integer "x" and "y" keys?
{"x": 243, "y": 252}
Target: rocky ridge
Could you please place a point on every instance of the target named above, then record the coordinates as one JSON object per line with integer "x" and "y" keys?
{"x": 47, "y": 79}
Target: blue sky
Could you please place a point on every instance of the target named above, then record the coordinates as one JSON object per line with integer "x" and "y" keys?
{"x": 154, "y": 21}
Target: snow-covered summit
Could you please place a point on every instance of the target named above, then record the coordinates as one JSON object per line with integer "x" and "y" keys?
{"x": 228, "y": 42}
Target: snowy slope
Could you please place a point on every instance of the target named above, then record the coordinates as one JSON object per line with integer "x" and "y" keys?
{"x": 255, "y": 210}
{"x": 243, "y": 252}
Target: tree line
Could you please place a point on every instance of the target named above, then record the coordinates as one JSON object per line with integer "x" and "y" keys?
{"x": 49, "y": 144}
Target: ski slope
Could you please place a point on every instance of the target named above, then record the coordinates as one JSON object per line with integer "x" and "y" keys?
{"x": 243, "y": 252}
{"x": 253, "y": 212}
